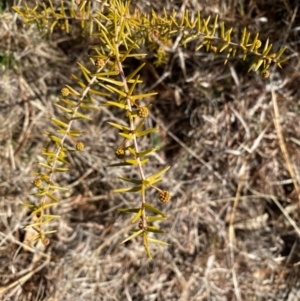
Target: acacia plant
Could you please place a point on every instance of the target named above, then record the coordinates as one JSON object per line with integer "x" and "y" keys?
{"x": 121, "y": 33}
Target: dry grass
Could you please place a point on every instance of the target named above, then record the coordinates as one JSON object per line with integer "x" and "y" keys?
{"x": 232, "y": 139}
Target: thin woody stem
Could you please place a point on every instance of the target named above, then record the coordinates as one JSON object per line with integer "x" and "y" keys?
{"x": 135, "y": 143}
{"x": 61, "y": 146}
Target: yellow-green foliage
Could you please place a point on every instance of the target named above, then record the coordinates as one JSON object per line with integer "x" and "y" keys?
{"x": 121, "y": 33}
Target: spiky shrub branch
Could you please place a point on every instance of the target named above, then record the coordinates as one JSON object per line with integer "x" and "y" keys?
{"x": 120, "y": 35}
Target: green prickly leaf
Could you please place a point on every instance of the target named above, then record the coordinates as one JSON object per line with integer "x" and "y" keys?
{"x": 146, "y": 132}
{"x": 282, "y": 61}
{"x": 252, "y": 66}
{"x": 38, "y": 223}
{"x": 132, "y": 236}
{"x": 59, "y": 123}
{"x": 129, "y": 210}
{"x": 110, "y": 80}
{"x": 205, "y": 26}
{"x": 156, "y": 241}
{"x": 234, "y": 50}
{"x": 222, "y": 31}
{"x": 39, "y": 209}
{"x": 153, "y": 218}
{"x": 131, "y": 90}
{"x": 60, "y": 169}
{"x": 248, "y": 35}
{"x": 228, "y": 35}
{"x": 110, "y": 45}
{"x": 215, "y": 26}
{"x": 120, "y": 164}
{"x": 158, "y": 174}
{"x": 29, "y": 205}
{"x": 145, "y": 239}
{"x": 254, "y": 42}
{"x": 61, "y": 159}
{"x": 101, "y": 17}
{"x": 224, "y": 47}
{"x": 49, "y": 154}
{"x": 48, "y": 205}
{"x": 67, "y": 26}
{"x": 128, "y": 189}
{"x": 119, "y": 126}
{"x": 73, "y": 91}
{"x": 135, "y": 161}
{"x": 154, "y": 230}
{"x": 79, "y": 82}
{"x": 67, "y": 102}
{"x": 152, "y": 182}
{"x": 132, "y": 151}
{"x": 190, "y": 38}
{"x": 78, "y": 115}
{"x": 128, "y": 162}
{"x": 116, "y": 104}
{"x": 134, "y": 181}
{"x": 52, "y": 197}
{"x": 258, "y": 64}
{"x": 242, "y": 42}
{"x": 113, "y": 89}
{"x": 147, "y": 152}
{"x": 279, "y": 54}
{"x": 46, "y": 220}
{"x": 44, "y": 165}
{"x": 72, "y": 133}
{"x": 140, "y": 96}
{"x": 52, "y": 26}
{"x": 137, "y": 216}
{"x": 127, "y": 136}
{"x": 139, "y": 126}
{"x": 55, "y": 139}
{"x": 50, "y": 231}
{"x": 266, "y": 52}
{"x": 42, "y": 192}
{"x": 132, "y": 74}
{"x": 266, "y": 46}
{"x": 153, "y": 209}
{"x": 84, "y": 69}
{"x": 101, "y": 75}
{"x": 124, "y": 56}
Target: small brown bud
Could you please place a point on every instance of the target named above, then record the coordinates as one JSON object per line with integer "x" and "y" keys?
{"x": 164, "y": 196}
{"x": 65, "y": 91}
{"x": 46, "y": 241}
{"x": 79, "y": 146}
{"x": 257, "y": 44}
{"x": 214, "y": 49}
{"x": 143, "y": 112}
{"x": 120, "y": 152}
{"x": 141, "y": 224}
{"x": 37, "y": 182}
{"x": 155, "y": 33}
{"x": 265, "y": 73}
{"x": 99, "y": 63}
{"x": 116, "y": 68}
